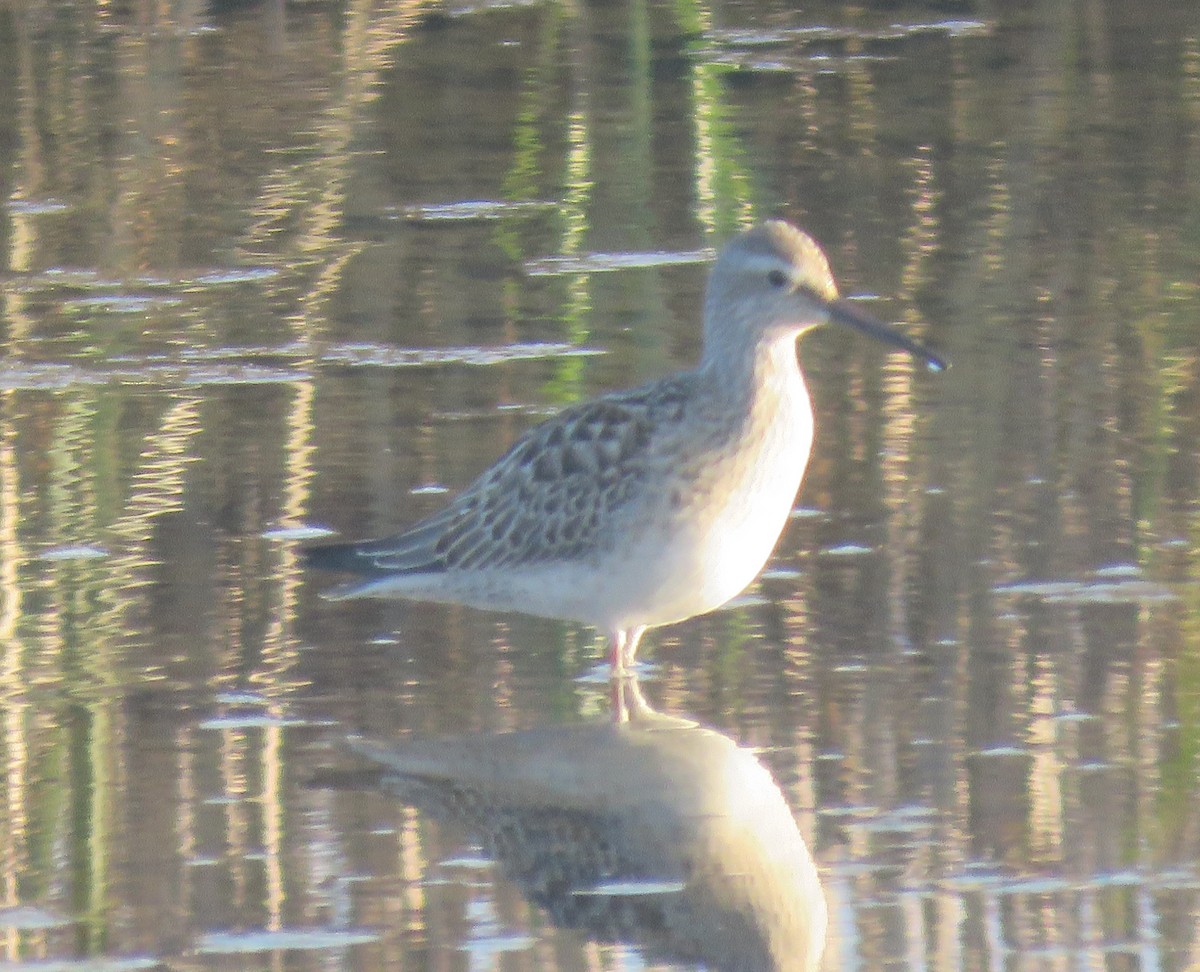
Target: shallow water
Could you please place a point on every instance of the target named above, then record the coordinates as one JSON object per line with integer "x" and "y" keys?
{"x": 271, "y": 271}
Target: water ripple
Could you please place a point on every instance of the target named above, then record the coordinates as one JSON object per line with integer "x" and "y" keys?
{"x": 283, "y": 940}
{"x": 264, "y": 365}
{"x": 606, "y": 262}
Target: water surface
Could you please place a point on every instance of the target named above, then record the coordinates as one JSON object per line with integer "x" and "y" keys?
{"x": 274, "y": 270}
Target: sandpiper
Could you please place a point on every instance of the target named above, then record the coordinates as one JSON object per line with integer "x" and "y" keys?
{"x": 646, "y": 506}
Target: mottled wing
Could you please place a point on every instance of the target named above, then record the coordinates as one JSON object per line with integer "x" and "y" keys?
{"x": 550, "y": 497}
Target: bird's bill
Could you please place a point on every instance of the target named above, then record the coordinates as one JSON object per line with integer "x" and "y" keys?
{"x": 843, "y": 312}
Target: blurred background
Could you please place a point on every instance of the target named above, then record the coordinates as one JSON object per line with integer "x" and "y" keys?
{"x": 271, "y": 269}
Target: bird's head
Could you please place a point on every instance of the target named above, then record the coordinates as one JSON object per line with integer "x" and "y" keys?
{"x": 773, "y": 282}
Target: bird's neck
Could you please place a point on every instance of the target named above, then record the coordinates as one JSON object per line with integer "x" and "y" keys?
{"x": 759, "y": 376}
{"x": 760, "y": 404}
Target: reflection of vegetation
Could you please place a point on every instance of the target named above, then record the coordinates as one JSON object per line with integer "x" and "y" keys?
{"x": 723, "y": 190}
{"x": 729, "y": 668}
{"x": 526, "y": 177}
{"x": 998, "y": 208}
{"x": 567, "y": 383}
{"x": 90, "y": 731}
{"x": 1180, "y": 782}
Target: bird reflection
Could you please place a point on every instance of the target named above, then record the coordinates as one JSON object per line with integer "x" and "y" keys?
{"x": 652, "y": 830}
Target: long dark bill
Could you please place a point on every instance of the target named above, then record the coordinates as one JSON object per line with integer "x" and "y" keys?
{"x": 843, "y": 312}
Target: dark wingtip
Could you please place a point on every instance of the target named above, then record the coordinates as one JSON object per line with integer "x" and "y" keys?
{"x": 340, "y": 557}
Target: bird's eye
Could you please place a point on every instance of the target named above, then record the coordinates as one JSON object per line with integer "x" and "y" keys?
{"x": 777, "y": 278}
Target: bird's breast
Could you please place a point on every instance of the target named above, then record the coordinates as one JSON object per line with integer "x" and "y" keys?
{"x": 722, "y": 511}
{"x": 743, "y": 528}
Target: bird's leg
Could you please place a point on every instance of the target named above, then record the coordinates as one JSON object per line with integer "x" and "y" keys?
{"x": 632, "y": 637}
{"x": 622, "y": 646}
{"x": 616, "y": 654}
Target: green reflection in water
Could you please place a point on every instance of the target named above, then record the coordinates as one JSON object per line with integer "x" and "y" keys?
{"x": 723, "y": 185}
{"x": 522, "y": 183}
{"x": 567, "y": 383}
{"x": 1178, "y": 797}
{"x": 90, "y": 731}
